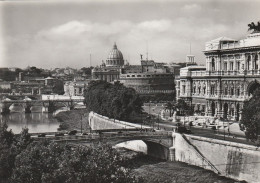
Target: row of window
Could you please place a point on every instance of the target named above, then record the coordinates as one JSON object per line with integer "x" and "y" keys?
{"x": 213, "y": 90}
{"x": 147, "y": 76}
{"x": 249, "y": 65}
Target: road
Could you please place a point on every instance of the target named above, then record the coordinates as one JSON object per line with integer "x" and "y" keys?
{"x": 196, "y": 130}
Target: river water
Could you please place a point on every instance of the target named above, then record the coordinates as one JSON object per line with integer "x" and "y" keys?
{"x": 36, "y": 122}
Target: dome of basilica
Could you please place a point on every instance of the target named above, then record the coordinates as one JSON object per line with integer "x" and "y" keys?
{"x": 115, "y": 57}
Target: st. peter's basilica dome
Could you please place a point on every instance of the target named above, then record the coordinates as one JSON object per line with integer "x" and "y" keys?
{"x": 115, "y": 57}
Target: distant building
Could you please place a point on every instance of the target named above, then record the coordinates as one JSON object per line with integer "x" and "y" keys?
{"x": 75, "y": 88}
{"x": 110, "y": 70}
{"x": 231, "y": 75}
{"x": 148, "y": 78}
{"x": 35, "y": 86}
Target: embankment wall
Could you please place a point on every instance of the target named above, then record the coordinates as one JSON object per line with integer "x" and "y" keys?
{"x": 234, "y": 160}
{"x": 99, "y": 122}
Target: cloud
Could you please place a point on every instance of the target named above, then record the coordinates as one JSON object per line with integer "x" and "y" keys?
{"x": 70, "y": 44}
{"x": 191, "y": 8}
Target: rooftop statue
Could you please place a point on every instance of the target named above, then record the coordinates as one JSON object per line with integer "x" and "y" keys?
{"x": 255, "y": 28}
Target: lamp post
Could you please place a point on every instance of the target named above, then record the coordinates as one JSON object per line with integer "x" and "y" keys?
{"x": 224, "y": 129}
{"x": 158, "y": 121}
{"x": 81, "y": 124}
{"x": 141, "y": 120}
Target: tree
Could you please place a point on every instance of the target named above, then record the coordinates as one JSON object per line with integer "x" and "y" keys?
{"x": 58, "y": 87}
{"x": 10, "y": 147}
{"x": 183, "y": 107}
{"x": 51, "y": 162}
{"x": 112, "y": 100}
{"x": 6, "y": 154}
{"x": 170, "y": 106}
{"x": 250, "y": 121}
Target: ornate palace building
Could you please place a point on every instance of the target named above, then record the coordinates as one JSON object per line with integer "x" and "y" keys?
{"x": 231, "y": 75}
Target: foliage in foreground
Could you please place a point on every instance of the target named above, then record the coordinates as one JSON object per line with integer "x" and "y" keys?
{"x": 23, "y": 160}
{"x": 52, "y": 162}
{"x": 10, "y": 147}
{"x": 112, "y": 100}
{"x": 250, "y": 121}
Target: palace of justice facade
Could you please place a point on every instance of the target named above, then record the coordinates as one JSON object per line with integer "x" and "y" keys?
{"x": 231, "y": 75}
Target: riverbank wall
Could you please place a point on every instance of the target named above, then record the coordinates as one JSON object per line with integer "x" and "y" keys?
{"x": 97, "y": 122}
{"x": 234, "y": 160}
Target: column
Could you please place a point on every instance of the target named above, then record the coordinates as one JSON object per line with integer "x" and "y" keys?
{"x": 208, "y": 64}
{"x": 228, "y": 112}
{"x": 228, "y": 65}
{"x": 258, "y": 57}
{"x": 222, "y": 110}
{"x": 235, "y": 112}
{"x": 206, "y": 109}
{"x": 219, "y": 63}
{"x": 240, "y": 111}
{"x": 209, "y": 109}
{"x": 218, "y": 109}
{"x": 252, "y": 61}
{"x": 235, "y": 63}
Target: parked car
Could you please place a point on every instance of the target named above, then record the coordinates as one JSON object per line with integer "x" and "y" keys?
{"x": 42, "y": 135}
{"x": 182, "y": 129}
{"x": 59, "y": 134}
{"x": 73, "y": 132}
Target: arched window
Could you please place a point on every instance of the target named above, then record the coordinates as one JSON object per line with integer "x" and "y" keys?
{"x": 248, "y": 62}
{"x": 255, "y": 62}
{"x": 232, "y": 91}
{"x": 213, "y": 64}
{"x": 226, "y": 91}
{"x": 238, "y": 91}
{"x": 212, "y": 90}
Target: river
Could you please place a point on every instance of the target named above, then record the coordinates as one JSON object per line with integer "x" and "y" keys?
{"x": 36, "y": 122}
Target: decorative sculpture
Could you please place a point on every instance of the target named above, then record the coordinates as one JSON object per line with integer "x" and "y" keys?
{"x": 255, "y": 28}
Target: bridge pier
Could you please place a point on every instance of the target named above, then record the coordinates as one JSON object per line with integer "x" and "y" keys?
{"x": 44, "y": 109}
{"x": 172, "y": 153}
{"x": 5, "y": 110}
{"x": 27, "y": 109}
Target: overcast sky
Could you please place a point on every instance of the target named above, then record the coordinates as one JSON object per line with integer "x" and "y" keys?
{"x": 51, "y": 34}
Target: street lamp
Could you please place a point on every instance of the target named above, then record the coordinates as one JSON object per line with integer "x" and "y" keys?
{"x": 224, "y": 129}
{"x": 141, "y": 120}
{"x": 158, "y": 121}
{"x": 81, "y": 124}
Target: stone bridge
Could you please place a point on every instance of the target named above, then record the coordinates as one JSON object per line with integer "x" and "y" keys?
{"x": 48, "y": 105}
{"x": 158, "y": 143}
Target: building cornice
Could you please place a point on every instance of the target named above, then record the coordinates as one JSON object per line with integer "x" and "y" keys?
{"x": 239, "y": 49}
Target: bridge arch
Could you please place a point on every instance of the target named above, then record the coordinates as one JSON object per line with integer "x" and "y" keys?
{"x": 154, "y": 147}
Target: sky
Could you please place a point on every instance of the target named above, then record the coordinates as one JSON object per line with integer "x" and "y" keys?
{"x": 50, "y": 34}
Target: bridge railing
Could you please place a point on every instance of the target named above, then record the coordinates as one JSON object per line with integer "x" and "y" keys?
{"x": 106, "y": 135}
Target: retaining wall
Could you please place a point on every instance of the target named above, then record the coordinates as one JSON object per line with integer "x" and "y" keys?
{"x": 234, "y": 160}
{"x": 99, "y": 122}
